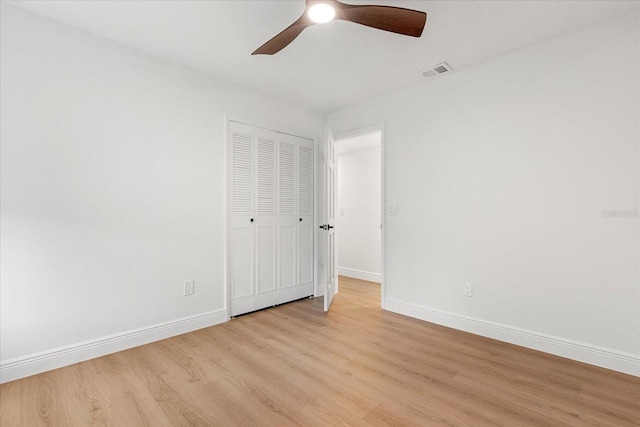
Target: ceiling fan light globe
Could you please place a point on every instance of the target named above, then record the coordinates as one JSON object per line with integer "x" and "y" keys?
{"x": 321, "y": 13}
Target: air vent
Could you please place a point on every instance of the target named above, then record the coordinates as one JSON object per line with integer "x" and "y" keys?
{"x": 437, "y": 70}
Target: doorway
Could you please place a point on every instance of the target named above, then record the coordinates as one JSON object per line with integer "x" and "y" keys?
{"x": 359, "y": 207}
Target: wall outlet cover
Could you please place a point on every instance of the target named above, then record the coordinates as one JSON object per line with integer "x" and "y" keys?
{"x": 468, "y": 290}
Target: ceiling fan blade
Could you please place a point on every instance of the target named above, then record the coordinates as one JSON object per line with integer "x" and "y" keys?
{"x": 282, "y": 39}
{"x": 398, "y": 20}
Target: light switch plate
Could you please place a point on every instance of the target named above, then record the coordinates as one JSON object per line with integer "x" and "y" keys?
{"x": 189, "y": 288}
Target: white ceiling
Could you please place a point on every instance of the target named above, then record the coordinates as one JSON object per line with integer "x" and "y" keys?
{"x": 332, "y": 66}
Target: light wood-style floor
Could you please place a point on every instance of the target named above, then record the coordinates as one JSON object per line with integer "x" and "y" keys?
{"x": 295, "y": 365}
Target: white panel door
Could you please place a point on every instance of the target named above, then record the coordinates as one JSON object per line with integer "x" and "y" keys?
{"x": 329, "y": 216}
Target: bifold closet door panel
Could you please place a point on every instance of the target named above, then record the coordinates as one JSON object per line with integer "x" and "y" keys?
{"x": 271, "y": 181}
{"x": 305, "y": 231}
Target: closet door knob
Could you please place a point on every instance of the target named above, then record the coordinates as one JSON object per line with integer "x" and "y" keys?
{"x": 251, "y": 220}
{"x": 300, "y": 219}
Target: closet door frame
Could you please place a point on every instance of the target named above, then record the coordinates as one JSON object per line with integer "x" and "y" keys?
{"x": 228, "y": 200}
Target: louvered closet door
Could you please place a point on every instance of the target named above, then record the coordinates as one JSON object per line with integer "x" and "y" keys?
{"x": 295, "y": 218}
{"x": 305, "y": 217}
{"x": 286, "y": 212}
{"x": 271, "y": 218}
{"x": 266, "y": 218}
{"x": 242, "y": 231}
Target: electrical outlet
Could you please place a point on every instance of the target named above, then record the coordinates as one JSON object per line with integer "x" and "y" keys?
{"x": 189, "y": 288}
{"x": 468, "y": 291}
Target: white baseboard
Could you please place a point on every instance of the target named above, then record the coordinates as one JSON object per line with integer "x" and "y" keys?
{"x": 606, "y": 358}
{"x": 360, "y": 274}
{"x": 36, "y": 363}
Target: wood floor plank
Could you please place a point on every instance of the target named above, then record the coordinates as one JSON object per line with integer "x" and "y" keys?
{"x": 295, "y": 365}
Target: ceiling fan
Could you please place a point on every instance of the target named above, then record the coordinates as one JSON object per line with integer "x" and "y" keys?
{"x": 389, "y": 18}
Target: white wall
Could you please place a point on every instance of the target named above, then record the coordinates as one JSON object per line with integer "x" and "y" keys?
{"x": 112, "y": 192}
{"x": 501, "y": 173}
{"x": 358, "y": 217}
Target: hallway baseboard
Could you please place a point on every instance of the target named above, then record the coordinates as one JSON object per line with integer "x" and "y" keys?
{"x": 360, "y": 274}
